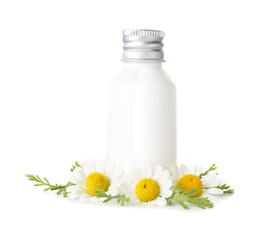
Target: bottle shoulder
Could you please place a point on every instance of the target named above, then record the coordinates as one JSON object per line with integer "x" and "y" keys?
{"x": 143, "y": 76}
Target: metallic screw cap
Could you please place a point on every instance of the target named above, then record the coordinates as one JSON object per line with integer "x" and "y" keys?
{"x": 143, "y": 45}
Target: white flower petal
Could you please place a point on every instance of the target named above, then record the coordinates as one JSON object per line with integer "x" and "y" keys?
{"x": 109, "y": 168}
{"x": 175, "y": 173}
{"x": 183, "y": 169}
{"x": 95, "y": 199}
{"x": 100, "y": 167}
{"x": 147, "y": 171}
{"x": 209, "y": 177}
{"x": 74, "y": 188}
{"x": 157, "y": 172}
{"x": 160, "y": 201}
{"x": 211, "y": 183}
{"x": 116, "y": 183}
{"x": 75, "y": 192}
{"x": 77, "y": 180}
{"x": 166, "y": 193}
{"x": 117, "y": 173}
{"x": 137, "y": 174}
{"x": 191, "y": 169}
{"x": 79, "y": 173}
{"x": 85, "y": 197}
{"x": 165, "y": 174}
{"x": 131, "y": 182}
{"x": 165, "y": 183}
{"x": 212, "y": 198}
{"x": 198, "y": 170}
{"x": 134, "y": 200}
{"x": 89, "y": 167}
{"x": 113, "y": 190}
{"x": 213, "y": 191}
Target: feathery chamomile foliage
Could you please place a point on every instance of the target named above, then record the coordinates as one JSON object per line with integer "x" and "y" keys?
{"x": 61, "y": 189}
{"x": 147, "y": 186}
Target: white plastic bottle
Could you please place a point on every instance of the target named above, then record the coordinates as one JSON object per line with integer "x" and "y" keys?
{"x": 142, "y": 105}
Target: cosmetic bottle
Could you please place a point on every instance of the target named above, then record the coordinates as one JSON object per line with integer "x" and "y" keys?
{"x": 142, "y": 105}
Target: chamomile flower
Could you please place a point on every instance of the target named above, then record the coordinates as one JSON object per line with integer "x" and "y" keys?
{"x": 95, "y": 176}
{"x": 190, "y": 178}
{"x": 148, "y": 186}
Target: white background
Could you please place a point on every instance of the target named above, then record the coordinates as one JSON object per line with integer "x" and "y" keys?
{"x": 56, "y": 60}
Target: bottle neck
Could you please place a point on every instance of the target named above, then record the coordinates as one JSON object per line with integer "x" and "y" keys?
{"x": 142, "y": 64}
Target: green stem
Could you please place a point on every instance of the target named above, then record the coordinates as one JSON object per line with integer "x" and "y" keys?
{"x": 212, "y": 168}
{"x": 62, "y": 189}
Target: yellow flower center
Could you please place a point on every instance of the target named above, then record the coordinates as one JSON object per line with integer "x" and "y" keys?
{"x": 189, "y": 182}
{"x": 147, "y": 189}
{"x": 96, "y": 182}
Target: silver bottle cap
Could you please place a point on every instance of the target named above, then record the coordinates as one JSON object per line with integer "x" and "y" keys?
{"x": 143, "y": 45}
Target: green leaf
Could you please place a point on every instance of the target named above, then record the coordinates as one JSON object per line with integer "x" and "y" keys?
{"x": 212, "y": 168}
{"x": 225, "y": 189}
{"x": 76, "y": 164}
{"x": 101, "y": 193}
{"x": 62, "y": 189}
{"x": 121, "y": 199}
{"x": 38, "y": 184}
{"x": 201, "y": 202}
{"x": 169, "y": 202}
{"x": 191, "y": 192}
{"x": 178, "y": 190}
{"x": 46, "y": 180}
{"x": 181, "y": 197}
{"x": 183, "y": 204}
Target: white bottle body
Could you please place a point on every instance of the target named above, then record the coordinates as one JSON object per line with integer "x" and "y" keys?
{"x": 142, "y": 116}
